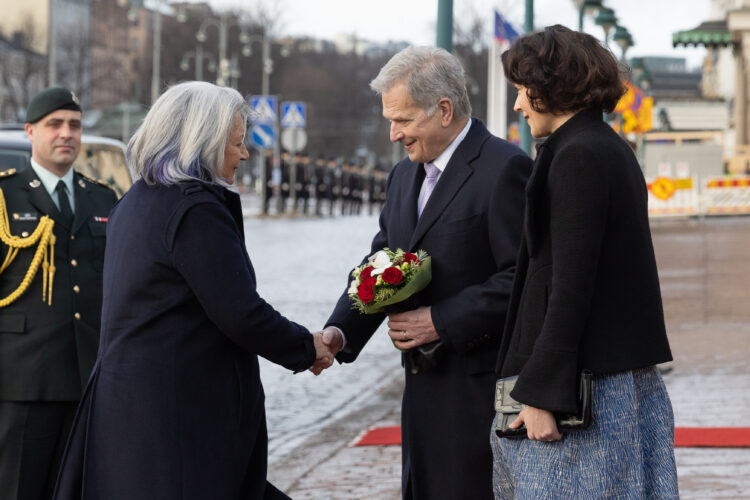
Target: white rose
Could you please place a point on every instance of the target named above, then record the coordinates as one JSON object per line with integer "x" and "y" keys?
{"x": 353, "y": 287}
{"x": 380, "y": 262}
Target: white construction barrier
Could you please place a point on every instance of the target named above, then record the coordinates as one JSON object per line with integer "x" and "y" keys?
{"x": 669, "y": 197}
{"x": 726, "y": 195}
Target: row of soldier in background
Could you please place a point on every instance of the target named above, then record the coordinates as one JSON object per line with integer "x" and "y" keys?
{"x": 323, "y": 186}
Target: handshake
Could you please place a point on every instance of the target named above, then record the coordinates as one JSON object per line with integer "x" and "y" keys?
{"x": 328, "y": 343}
{"x": 407, "y": 330}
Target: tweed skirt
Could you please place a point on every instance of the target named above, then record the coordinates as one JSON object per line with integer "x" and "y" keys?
{"x": 628, "y": 453}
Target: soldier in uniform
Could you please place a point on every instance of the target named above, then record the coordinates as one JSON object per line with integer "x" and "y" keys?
{"x": 356, "y": 185}
{"x": 366, "y": 186}
{"x": 333, "y": 181}
{"x": 346, "y": 188}
{"x": 285, "y": 188}
{"x": 269, "y": 187}
{"x": 322, "y": 190}
{"x": 50, "y": 295}
{"x": 302, "y": 182}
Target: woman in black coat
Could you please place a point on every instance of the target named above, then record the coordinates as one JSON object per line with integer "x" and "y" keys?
{"x": 174, "y": 408}
{"x": 586, "y": 293}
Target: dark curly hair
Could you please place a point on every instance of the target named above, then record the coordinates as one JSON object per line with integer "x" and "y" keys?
{"x": 564, "y": 71}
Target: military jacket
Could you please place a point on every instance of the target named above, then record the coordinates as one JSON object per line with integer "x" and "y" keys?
{"x": 47, "y": 351}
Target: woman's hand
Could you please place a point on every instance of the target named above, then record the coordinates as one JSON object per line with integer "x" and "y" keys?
{"x": 323, "y": 354}
{"x": 540, "y": 424}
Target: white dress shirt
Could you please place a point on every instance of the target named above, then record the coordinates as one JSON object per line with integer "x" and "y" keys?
{"x": 50, "y": 180}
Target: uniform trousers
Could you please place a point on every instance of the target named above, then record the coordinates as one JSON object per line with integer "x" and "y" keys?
{"x": 33, "y": 435}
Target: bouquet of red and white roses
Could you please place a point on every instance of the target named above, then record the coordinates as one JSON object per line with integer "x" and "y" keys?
{"x": 388, "y": 278}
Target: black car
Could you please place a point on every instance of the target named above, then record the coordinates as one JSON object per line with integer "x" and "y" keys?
{"x": 100, "y": 158}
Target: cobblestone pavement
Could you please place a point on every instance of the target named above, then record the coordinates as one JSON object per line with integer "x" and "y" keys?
{"x": 302, "y": 265}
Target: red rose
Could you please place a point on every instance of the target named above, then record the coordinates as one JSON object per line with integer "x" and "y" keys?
{"x": 393, "y": 275}
{"x": 365, "y": 292}
{"x": 410, "y": 257}
{"x": 366, "y": 273}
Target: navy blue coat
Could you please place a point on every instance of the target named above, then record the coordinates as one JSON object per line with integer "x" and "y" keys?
{"x": 471, "y": 227}
{"x": 175, "y": 408}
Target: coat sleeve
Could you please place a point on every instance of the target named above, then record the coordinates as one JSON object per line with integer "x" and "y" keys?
{"x": 209, "y": 253}
{"x": 579, "y": 200}
{"x": 357, "y": 327}
{"x": 476, "y": 314}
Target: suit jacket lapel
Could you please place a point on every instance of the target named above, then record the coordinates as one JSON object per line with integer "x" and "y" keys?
{"x": 84, "y": 206}
{"x": 453, "y": 177}
{"x": 38, "y": 195}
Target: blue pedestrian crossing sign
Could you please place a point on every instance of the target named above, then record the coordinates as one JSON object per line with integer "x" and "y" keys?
{"x": 264, "y": 109}
{"x": 263, "y": 136}
{"x": 293, "y": 115}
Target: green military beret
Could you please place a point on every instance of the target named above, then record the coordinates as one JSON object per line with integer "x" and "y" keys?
{"x": 49, "y": 100}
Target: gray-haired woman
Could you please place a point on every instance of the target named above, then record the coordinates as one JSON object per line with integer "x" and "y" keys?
{"x": 174, "y": 407}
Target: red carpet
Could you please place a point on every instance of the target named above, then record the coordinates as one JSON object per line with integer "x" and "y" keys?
{"x": 715, "y": 437}
{"x": 690, "y": 437}
{"x": 380, "y": 436}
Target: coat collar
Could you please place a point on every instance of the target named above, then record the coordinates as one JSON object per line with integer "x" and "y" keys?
{"x": 571, "y": 128}
{"x": 228, "y": 198}
{"x": 457, "y": 171}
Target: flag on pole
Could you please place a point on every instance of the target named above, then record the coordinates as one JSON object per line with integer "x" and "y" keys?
{"x": 497, "y": 92}
{"x": 504, "y": 31}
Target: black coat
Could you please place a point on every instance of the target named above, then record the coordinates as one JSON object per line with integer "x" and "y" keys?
{"x": 586, "y": 293}
{"x": 47, "y": 352}
{"x": 175, "y": 406}
{"x": 471, "y": 227}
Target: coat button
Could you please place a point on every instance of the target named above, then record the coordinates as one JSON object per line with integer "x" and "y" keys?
{"x": 24, "y": 234}
{"x": 73, "y": 262}
{"x": 72, "y": 236}
{"x": 76, "y": 288}
{"x": 77, "y": 315}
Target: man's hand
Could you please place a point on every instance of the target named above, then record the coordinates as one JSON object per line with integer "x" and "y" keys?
{"x": 323, "y": 354}
{"x": 412, "y": 328}
{"x": 540, "y": 424}
{"x": 333, "y": 338}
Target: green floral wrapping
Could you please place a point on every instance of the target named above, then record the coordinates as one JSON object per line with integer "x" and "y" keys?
{"x": 419, "y": 280}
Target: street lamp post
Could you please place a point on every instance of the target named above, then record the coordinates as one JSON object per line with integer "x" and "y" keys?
{"x": 607, "y": 20}
{"x": 586, "y": 7}
{"x": 523, "y": 126}
{"x": 223, "y": 26}
{"x": 156, "y": 55}
{"x": 198, "y": 55}
{"x": 445, "y": 25}
{"x": 266, "y": 61}
{"x": 624, "y": 39}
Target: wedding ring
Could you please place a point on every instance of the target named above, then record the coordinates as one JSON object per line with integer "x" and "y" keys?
{"x": 404, "y": 332}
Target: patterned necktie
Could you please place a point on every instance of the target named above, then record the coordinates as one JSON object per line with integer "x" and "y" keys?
{"x": 64, "y": 202}
{"x": 431, "y": 178}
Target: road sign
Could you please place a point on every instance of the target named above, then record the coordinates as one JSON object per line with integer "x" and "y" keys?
{"x": 294, "y": 139}
{"x": 264, "y": 109}
{"x": 263, "y": 136}
{"x": 293, "y": 114}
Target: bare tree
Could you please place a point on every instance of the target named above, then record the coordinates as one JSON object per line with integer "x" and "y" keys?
{"x": 22, "y": 71}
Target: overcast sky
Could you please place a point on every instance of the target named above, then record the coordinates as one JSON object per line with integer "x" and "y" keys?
{"x": 651, "y": 22}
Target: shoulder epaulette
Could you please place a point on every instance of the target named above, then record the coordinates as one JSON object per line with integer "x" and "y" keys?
{"x": 7, "y": 173}
{"x": 95, "y": 181}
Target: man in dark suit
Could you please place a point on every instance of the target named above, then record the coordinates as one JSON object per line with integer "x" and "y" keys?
{"x": 460, "y": 197}
{"x": 49, "y": 333}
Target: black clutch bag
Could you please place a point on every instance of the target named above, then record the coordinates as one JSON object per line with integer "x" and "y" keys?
{"x": 508, "y": 408}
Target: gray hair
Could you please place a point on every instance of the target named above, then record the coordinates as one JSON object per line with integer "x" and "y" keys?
{"x": 430, "y": 74}
{"x": 184, "y": 134}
